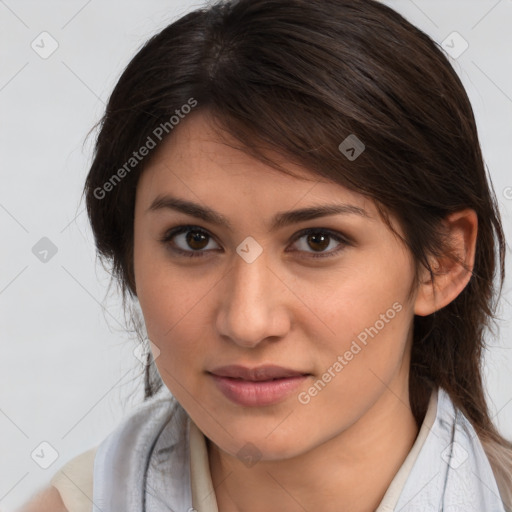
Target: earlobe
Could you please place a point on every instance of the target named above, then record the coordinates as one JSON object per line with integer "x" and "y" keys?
{"x": 453, "y": 271}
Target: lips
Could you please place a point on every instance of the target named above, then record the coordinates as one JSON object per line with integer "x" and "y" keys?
{"x": 257, "y": 387}
{"x": 257, "y": 374}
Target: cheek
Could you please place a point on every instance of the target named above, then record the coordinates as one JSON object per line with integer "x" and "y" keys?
{"x": 344, "y": 303}
{"x": 366, "y": 319}
{"x": 168, "y": 311}
{"x": 172, "y": 303}
{"x": 172, "y": 325}
{"x": 162, "y": 294}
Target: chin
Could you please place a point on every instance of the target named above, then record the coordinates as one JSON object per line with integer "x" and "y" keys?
{"x": 251, "y": 446}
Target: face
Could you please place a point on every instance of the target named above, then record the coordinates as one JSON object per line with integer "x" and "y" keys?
{"x": 331, "y": 304}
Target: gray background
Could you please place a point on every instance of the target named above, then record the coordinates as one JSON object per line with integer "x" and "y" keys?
{"x": 67, "y": 372}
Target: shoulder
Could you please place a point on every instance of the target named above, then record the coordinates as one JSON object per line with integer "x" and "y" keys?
{"x": 47, "y": 500}
{"x": 74, "y": 482}
{"x": 70, "y": 489}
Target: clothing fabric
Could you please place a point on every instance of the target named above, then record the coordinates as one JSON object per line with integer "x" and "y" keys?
{"x": 156, "y": 460}
{"x": 74, "y": 481}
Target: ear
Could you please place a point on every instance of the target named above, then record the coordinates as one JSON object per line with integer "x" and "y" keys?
{"x": 450, "y": 276}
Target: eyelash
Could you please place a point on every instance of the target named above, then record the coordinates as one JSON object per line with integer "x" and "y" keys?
{"x": 170, "y": 234}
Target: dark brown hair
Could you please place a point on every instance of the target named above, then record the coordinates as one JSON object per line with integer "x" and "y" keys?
{"x": 298, "y": 77}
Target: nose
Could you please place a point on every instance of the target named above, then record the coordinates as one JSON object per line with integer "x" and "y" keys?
{"x": 253, "y": 304}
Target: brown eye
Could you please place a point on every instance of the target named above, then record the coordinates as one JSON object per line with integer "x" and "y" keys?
{"x": 188, "y": 241}
{"x": 317, "y": 240}
{"x": 193, "y": 241}
{"x": 196, "y": 239}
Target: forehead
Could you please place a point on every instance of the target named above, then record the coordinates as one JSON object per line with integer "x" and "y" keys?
{"x": 202, "y": 164}
{"x": 202, "y": 147}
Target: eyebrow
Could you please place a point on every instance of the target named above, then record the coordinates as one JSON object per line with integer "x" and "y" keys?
{"x": 279, "y": 220}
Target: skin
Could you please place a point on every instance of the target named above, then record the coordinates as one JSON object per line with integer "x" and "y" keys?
{"x": 341, "y": 450}
{"x": 46, "y": 500}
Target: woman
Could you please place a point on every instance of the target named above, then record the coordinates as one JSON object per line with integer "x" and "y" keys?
{"x": 295, "y": 195}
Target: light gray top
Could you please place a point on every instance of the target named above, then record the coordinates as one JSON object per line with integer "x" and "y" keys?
{"x": 146, "y": 463}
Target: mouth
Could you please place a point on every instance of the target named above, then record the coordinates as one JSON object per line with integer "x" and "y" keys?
{"x": 258, "y": 373}
{"x": 257, "y": 387}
